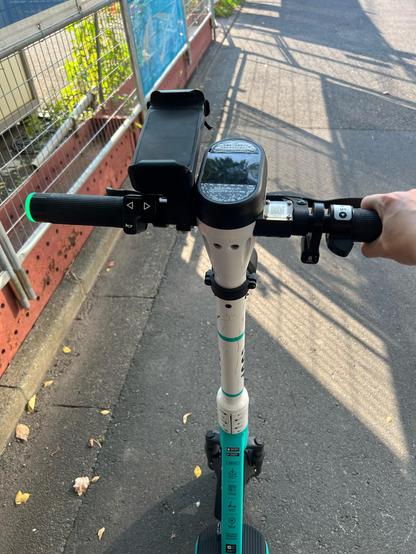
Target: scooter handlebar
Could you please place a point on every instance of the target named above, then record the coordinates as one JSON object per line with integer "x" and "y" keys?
{"x": 300, "y": 218}
{"x": 75, "y": 209}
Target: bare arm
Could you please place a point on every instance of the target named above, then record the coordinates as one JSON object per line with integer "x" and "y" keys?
{"x": 397, "y": 211}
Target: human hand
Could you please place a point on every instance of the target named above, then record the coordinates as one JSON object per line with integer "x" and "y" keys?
{"x": 397, "y": 211}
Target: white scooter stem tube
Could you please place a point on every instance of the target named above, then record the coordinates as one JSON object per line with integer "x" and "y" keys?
{"x": 229, "y": 251}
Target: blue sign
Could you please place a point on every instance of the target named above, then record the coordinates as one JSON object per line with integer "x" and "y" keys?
{"x": 159, "y": 29}
{"x": 15, "y": 10}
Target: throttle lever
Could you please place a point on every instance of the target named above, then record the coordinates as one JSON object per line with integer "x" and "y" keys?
{"x": 341, "y": 246}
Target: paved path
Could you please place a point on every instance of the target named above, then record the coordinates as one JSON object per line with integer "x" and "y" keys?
{"x": 328, "y": 88}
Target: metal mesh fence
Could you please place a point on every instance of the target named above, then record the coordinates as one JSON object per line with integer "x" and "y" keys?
{"x": 61, "y": 98}
{"x": 196, "y": 12}
{"x": 70, "y": 98}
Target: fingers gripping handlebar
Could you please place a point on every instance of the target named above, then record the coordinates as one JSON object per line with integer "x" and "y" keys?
{"x": 342, "y": 224}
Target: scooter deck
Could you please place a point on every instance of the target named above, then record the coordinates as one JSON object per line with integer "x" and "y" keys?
{"x": 209, "y": 542}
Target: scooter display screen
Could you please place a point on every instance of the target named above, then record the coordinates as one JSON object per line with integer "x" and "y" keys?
{"x": 231, "y": 171}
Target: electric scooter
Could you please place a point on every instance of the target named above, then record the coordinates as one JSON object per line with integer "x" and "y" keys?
{"x": 229, "y": 204}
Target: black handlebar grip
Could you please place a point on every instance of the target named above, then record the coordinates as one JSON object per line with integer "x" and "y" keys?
{"x": 366, "y": 225}
{"x": 76, "y": 209}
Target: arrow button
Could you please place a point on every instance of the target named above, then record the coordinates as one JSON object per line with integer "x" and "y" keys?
{"x": 146, "y": 206}
{"x": 130, "y": 205}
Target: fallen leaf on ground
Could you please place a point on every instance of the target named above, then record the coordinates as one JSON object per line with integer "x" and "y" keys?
{"x": 172, "y": 535}
{"x": 105, "y": 412}
{"x": 389, "y": 419}
{"x": 66, "y": 350}
{"x": 101, "y": 533}
{"x": 30, "y": 407}
{"x": 197, "y": 472}
{"x": 92, "y": 441}
{"x": 47, "y": 384}
{"x": 21, "y": 498}
{"x": 185, "y": 417}
{"x": 111, "y": 264}
{"x": 22, "y": 431}
{"x": 95, "y": 478}
{"x": 81, "y": 485}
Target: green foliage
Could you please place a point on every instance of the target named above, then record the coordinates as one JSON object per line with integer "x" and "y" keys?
{"x": 82, "y": 67}
{"x": 224, "y": 8}
{"x": 33, "y": 126}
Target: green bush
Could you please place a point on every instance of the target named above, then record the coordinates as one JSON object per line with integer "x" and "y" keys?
{"x": 224, "y": 8}
{"x": 81, "y": 68}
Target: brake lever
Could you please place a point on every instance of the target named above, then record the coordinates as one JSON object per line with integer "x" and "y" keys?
{"x": 311, "y": 241}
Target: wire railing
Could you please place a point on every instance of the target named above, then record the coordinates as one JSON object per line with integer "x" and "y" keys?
{"x": 71, "y": 99}
{"x": 67, "y": 93}
{"x": 196, "y": 12}
{"x": 66, "y": 88}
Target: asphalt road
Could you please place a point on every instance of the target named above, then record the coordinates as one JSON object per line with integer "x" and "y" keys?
{"x": 328, "y": 88}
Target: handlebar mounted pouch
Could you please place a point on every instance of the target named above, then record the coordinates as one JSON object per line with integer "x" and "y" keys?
{"x": 165, "y": 161}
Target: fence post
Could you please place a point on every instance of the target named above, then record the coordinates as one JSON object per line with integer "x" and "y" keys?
{"x": 9, "y": 252}
{"x": 14, "y": 282}
{"x": 213, "y": 22}
{"x": 133, "y": 54}
{"x": 188, "y": 50}
{"x": 99, "y": 69}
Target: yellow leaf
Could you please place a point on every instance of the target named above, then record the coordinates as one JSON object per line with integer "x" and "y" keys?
{"x": 47, "y": 384}
{"x": 389, "y": 419}
{"x": 21, "y": 498}
{"x": 30, "y": 407}
{"x": 105, "y": 412}
{"x": 197, "y": 472}
{"x": 101, "y": 533}
{"x": 95, "y": 478}
{"x": 185, "y": 417}
{"x": 66, "y": 350}
{"x": 22, "y": 432}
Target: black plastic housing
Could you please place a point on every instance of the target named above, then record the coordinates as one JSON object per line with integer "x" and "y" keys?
{"x": 166, "y": 155}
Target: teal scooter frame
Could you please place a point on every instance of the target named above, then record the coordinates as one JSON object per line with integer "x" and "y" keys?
{"x": 229, "y": 205}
